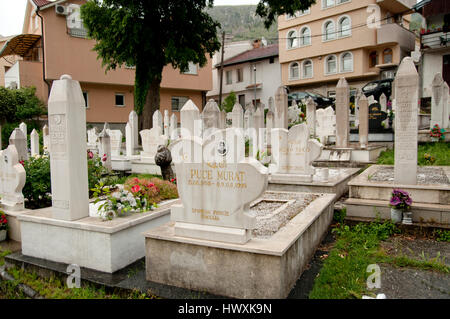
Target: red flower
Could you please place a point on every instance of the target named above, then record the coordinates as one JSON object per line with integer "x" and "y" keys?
{"x": 136, "y": 180}
{"x": 151, "y": 185}
{"x": 90, "y": 154}
{"x": 104, "y": 158}
{"x": 135, "y": 189}
{"x": 22, "y": 162}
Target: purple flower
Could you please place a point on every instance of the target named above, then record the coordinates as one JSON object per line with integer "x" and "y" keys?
{"x": 395, "y": 201}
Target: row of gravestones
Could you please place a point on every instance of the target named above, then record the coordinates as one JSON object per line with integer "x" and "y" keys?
{"x": 19, "y": 139}
{"x": 440, "y": 102}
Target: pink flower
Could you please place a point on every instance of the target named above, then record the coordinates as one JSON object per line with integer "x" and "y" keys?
{"x": 90, "y": 154}
{"x": 135, "y": 189}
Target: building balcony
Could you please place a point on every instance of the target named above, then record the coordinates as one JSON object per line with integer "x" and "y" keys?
{"x": 396, "y": 6}
{"x": 393, "y": 33}
{"x": 435, "y": 40}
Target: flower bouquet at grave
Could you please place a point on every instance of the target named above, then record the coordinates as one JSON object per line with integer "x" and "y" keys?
{"x": 429, "y": 159}
{"x": 3, "y": 226}
{"x": 437, "y": 132}
{"x": 400, "y": 200}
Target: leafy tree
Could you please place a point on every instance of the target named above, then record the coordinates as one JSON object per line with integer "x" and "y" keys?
{"x": 153, "y": 34}
{"x": 228, "y": 102}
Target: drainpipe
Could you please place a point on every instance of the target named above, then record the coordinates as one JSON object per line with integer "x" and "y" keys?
{"x": 43, "y": 52}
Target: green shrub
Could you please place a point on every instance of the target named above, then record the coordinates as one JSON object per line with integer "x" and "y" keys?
{"x": 37, "y": 189}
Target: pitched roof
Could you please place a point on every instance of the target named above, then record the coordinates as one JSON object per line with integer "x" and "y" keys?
{"x": 253, "y": 55}
{"x": 40, "y": 3}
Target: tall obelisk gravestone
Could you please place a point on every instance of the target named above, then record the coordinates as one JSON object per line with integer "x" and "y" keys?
{"x": 68, "y": 163}
{"x": 342, "y": 109}
{"x": 406, "y": 95}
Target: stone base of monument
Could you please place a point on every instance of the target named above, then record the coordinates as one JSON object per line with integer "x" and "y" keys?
{"x": 89, "y": 242}
{"x": 336, "y": 183}
{"x": 370, "y": 193}
{"x": 267, "y": 266}
{"x": 351, "y": 154}
{"x": 145, "y": 167}
{"x": 424, "y": 136}
{"x": 13, "y": 222}
{"x": 120, "y": 163}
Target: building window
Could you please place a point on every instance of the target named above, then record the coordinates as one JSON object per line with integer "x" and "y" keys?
{"x": 240, "y": 75}
{"x": 294, "y": 71}
{"x": 373, "y": 59}
{"x": 345, "y": 27}
{"x": 242, "y": 99}
{"x": 307, "y": 69}
{"x": 305, "y": 36}
{"x": 229, "y": 77}
{"x": 347, "y": 62}
{"x": 192, "y": 69}
{"x": 387, "y": 74}
{"x": 331, "y": 64}
{"x": 271, "y": 60}
{"x": 327, "y": 3}
{"x": 120, "y": 99}
{"x": 328, "y": 31}
{"x": 342, "y": 1}
{"x": 387, "y": 56}
{"x": 292, "y": 41}
{"x": 86, "y": 99}
{"x": 178, "y": 102}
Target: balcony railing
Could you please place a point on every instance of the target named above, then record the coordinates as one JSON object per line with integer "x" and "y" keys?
{"x": 435, "y": 40}
{"x": 395, "y": 33}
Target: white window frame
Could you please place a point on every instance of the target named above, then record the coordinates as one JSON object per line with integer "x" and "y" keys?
{"x": 324, "y": 30}
{"x": 324, "y": 4}
{"x": 231, "y": 77}
{"x": 192, "y": 69}
{"x": 299, "y": 71}
{"x": 339, "y": 26}
{"x": 341, "y": 62}
{"x": 115, "y": 101}
{"x": 301, "y": 44}
{"x": 303, "y": 69}
{"x": 295, "y": 37}
{"x": 326, "y": 70}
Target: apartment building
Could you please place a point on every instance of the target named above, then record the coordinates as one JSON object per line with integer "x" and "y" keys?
{"x": 253, "y": 75}
{"x": 360, "y": 40}
{"x": 435, "y": 42}
{"x": 54, "y": 42}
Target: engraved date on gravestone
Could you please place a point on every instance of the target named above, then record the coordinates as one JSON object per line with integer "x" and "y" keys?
{"x": 58, "y": 133}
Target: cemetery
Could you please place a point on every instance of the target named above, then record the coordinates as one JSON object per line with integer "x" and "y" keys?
{"x": 256, "y": 186}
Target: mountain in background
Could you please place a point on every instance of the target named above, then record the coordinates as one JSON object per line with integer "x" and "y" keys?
{"x": 242, "y": 23}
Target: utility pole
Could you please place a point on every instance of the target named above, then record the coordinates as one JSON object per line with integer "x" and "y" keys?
{"x": 221, "y": 69}
{"x": 254, "y": 72}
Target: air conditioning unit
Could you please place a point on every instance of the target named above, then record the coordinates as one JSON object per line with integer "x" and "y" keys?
{"x": 62, "y": 10}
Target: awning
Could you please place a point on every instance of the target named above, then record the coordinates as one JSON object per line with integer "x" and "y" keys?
{"x": 19, "y": 45}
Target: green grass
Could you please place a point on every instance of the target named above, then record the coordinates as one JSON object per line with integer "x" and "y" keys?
{"x": 344, "y": 276}
{"x": 439, "y": 150}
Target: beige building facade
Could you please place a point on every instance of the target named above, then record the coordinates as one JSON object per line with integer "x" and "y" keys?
{"x": 362, "y": 41}
{"x": 63, "y": 48}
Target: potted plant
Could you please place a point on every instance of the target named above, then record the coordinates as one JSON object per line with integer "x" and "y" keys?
{"x": 437, "y": 133}
{"x": 3, "y": 226}
{"x": 400, "y": 202}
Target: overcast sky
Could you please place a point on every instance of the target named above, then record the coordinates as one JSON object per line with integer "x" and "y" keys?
{"x": 12, "y": 13}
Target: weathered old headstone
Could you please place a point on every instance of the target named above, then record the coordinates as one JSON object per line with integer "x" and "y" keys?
{"x": 216, "y": 192}
{"x": 173, "y": 128}
{"x": 128, "y": 140}
{"x": 311, "y": 116}
{"x": 92, "y": 135}
{"x": 363, "y": 122}
{"x": 12, "y": 179}
{"x": 293, "y": 113}
{"x": 325, "y": 124}
{"x": 211, "y": 118}
{"x": 151, "y": 139}
{"x": 46, "y": 138}
{"x": 406, "y": 94}
{"x": 342, "y": 106}
{"x": 116, "y": 142}
{"x": 376, "y": 118}
{"x": 68, "y": 163}
{"x": 158, "y": 120}
{"x": 293, "y": 152}
{"x": 134, "y": 126}
{"x": 166, "y": 123}
{"x": 23, "y": 128}
{"x": 281, "y": 108}
{"x": 34, "y": 142}
{"x": 438, "y": 101}
{"x": 105, "y": 148}
{"x": 19, "y": 140}
{"x": 237, "y": 116}
{"x": 191, "y": 124}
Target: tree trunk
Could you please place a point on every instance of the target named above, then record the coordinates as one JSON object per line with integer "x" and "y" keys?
{"x": 151, "y": 105}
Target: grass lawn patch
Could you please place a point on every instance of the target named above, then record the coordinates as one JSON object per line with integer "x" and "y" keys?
{"x": 428, "y": 154}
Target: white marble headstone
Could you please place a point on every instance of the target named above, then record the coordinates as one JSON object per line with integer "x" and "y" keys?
{"x": 12, "y": 179}
{"x": 19, "y": 140}
{"x": 34, "y": 142}
{"x": 151, "y": 139}
{"x": 116, "y": 142}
